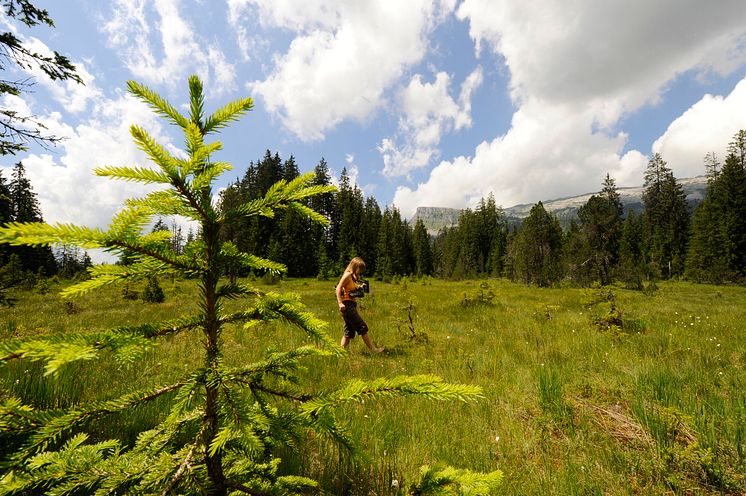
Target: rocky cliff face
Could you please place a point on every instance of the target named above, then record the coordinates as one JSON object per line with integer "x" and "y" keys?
{"x": 436, "y": 218}
{"x": 566, "y": 209}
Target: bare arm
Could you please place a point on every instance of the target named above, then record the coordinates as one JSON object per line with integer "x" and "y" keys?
{"x": 342, "y": 282}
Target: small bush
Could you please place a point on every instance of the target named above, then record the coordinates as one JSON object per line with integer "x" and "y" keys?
{"x": 606, "y": 315}
{"x": 153, "y": 292}
{"x": 129, "y": 294}
{"x": 405, "y": 325}
{"x": 482, "y": 296}
{"x": 42, "y": 286}
{"x": 71, "y": 308}
{"x": 271, "y": 279}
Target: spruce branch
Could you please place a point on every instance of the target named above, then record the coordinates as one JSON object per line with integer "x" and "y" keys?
{"x": 158, "y": 104}
{"x": 183, "y": 466}
{"x": 196, "y": 102}
{"x": 155, "y": 151}
{"x": 39, "y": 233}
{"x": 234, "y": 257}
{"x": 283, "y": 194}
{"x": 428, "y": 386}
{"x": 232, "y": 291}
{"x": 309, "y": 213}
{"x": 208, "y": 174}
{"x": 127, "y": 224}
{"x": 200, "y": 152}
{"x": 133, "y": 173}
{"x": 286, "y": 307}
{"x": 127, "y": 343}
{"x": 52, "y": 430}
{"x": 449, "y": 480}
{"x": 231, "y": 112}
{"x": 165, "y": 203}
{"x": 278, "y": 364}
{"x": 195, "y": 139}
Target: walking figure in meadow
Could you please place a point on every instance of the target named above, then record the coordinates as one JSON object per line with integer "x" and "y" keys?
{"x": 350, "y": 286}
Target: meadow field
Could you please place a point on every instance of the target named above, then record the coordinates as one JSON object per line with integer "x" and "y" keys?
{"x": 653, "y": 404}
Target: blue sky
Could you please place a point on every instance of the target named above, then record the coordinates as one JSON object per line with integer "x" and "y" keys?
{"x": 426, "y": 103}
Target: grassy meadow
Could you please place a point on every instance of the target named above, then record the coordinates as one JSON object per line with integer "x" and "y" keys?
{"x": 656, "y": 406}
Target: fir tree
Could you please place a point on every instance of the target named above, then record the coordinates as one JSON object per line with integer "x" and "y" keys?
{"x": 601, "y": 225}
{"x": 536, "y": 251}
{"x": 666, "y": 218}
{"x": 369, "y": 224}
{"x": 223, "y": 419}
{"x": 422, "y": 251}
{"x": 632, "y": 254}
{"x": 709, "y": 252}
{"x": 729, "y": 194}
{"x": 25, "y": 208}
{"x": 6, "y": 214}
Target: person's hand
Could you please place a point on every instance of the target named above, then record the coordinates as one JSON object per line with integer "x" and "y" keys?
{"x": 342, "y": 307}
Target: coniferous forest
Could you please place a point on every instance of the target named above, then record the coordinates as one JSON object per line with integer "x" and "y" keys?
{"x": 606, "y": 244}
{"x": 668, "y": 239}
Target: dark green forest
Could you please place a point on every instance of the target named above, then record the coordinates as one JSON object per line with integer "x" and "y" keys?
{"x": 606, "y": 244}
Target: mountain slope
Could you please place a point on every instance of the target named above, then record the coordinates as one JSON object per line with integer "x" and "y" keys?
{"x": 566, "y": 209}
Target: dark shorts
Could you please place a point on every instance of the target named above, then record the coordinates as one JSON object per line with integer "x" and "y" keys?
{"x": 354, "y": 323}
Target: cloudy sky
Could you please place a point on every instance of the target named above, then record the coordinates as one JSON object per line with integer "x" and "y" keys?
{"x": 426, "y": 103}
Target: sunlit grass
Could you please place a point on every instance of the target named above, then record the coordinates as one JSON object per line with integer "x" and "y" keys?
{"x": 568, "y": 408}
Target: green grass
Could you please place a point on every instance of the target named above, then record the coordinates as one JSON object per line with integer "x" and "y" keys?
{"x": 657, "y": 408}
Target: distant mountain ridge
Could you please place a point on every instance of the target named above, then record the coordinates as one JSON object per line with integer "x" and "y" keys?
{"x": 566, "y": 209}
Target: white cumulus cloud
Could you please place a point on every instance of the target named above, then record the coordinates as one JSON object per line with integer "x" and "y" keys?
{"x": 531, "y": 162}
{"x": 428, "y": 111}
{"x": 575, "y": 70}
{"x": 164, "y": 48}
{"x": 708, "y": 126}
{"x": 345, "y": 55}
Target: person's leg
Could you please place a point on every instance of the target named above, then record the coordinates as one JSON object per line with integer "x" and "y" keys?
{"x": 369, "y": 343}
{"x": 349, "y": 328}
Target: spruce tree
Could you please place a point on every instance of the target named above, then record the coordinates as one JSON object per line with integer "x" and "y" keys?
{"x": 601, "y": 225}
{"x": 730, "y": 197}
{"x": 25, "y": 208}
{"x": 6, "y": 214}
{"x": 422, "y": 251}
{"x": 492, "y": 236}
{"x": 536, "y": 251}
{"x": 321, "y": 263}
{"x": 666, "y": 218}
{"x": 633, "y": 266}
{"x": 370, "y": 222}
{"x": 350, "y": 211}
{"x": 709, "y": 252}
{"x": 223, "y": 419}
{"x": 385, "y": 259}
{"x": 578, "y": 256}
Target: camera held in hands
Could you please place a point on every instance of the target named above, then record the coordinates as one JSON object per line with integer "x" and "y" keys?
{"x": 360, "y": 291}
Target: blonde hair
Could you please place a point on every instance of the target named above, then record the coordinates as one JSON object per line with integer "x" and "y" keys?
{"x": 356, "y": 267}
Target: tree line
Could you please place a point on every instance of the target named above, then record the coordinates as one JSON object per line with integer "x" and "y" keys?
{"x": 26, "y": 265}
{"x": 357, "y": 226}
{"x": 606, "y": 243}
{"x": 666, "y": 240}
